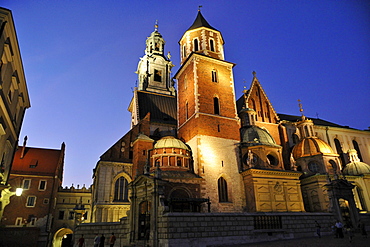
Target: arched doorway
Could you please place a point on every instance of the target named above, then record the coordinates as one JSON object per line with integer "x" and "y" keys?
{"x": 63, "y": 238}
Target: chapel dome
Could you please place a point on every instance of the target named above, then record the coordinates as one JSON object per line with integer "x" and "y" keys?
{"x": 310, "y": 146}
{"x": 253, "y": 136}
{"x": 170, "y": 142}
{"x": 355, "y": 167}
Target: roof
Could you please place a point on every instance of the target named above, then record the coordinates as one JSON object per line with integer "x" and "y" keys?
{"x": 37, "y": 161}
{"x": 254, "y": 135}
{"x": 200, "y": 22}
{"x": 162, "y": 108}
{"x": 316, "y": 121}
{"x": 311, "y": 146}
{"x": 170, "y": 142}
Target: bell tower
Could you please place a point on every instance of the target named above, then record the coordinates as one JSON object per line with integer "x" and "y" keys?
{"x": 207, "y": 116}
{"x": 154, "y": 69}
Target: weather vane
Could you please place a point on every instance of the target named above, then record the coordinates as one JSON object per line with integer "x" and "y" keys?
{"x": 254, "y": 73}
{"x": 200, "y": 6}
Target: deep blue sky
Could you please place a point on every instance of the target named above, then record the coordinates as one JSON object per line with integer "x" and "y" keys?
{"x": 80, "y": 57}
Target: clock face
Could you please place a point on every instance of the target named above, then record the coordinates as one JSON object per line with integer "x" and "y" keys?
{"x": 313, "y": 166}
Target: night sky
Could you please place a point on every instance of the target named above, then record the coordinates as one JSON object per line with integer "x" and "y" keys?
{"x": 80, "y": 57}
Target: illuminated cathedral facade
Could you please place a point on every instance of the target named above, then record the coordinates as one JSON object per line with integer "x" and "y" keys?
{"x": 198, "y": 149}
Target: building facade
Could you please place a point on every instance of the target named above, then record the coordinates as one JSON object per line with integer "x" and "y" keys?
{"x": 199, "y": 150}
{"x": 39, "y": 172}
{"x": 14, "y": 100}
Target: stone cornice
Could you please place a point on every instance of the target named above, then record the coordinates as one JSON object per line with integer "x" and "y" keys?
{"x": 271, "y": 173}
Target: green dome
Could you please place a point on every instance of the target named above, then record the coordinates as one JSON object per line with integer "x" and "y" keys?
{"x": 254, "y": 136}
{"x": 170, "y": 142}
{"x": 355, "y": 167}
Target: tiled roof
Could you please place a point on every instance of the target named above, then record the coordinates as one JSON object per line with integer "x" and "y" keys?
{"x": 162, "y": 108}
{"x": 36, "y": 161}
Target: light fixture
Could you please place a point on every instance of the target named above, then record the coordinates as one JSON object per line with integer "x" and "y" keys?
{"x": 18, "y": 191}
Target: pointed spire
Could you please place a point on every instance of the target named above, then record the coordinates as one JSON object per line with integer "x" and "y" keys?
{"x": 200, "y": 22}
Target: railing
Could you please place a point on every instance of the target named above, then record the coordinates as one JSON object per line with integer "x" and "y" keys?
{"x": 267, "y": 222}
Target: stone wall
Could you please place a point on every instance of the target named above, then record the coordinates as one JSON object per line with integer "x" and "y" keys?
{"x": 212, "y": 229}
{"x": 216, "y": 229}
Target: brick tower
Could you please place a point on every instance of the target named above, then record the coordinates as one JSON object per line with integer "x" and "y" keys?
{"x": 207, "y": 116}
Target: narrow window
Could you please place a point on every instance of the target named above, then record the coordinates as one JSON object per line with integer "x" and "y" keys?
{"x": 214, "y": 76}
{"x": 187, "y": 110}
{"x": 356, "y": 146}
{"x": 33, "y": 221}
{"x": 211, "y": 45}
{"x": 42, "y": 185}
{"x": 130, "y": 154}
{"x": 338, "y": 147}
{"x": 31, "y": 201}
{"x": 71, "y": 215}
{"x": 18, "y": 221}
{"x": 61, "y": 215}
{"x": 157, "y": 75}
{"x": 121, "y": 190}
{"x": 196, "y": 45}
{"x": 222, "y": 190}
{"x": 216, "y": 106}
{"x": 218, "y": 128}
{"x": 184, "y": 51}
{"x": 26, "y": 184}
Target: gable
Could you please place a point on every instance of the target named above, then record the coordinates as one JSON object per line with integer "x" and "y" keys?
{"x": 257, "y": 100}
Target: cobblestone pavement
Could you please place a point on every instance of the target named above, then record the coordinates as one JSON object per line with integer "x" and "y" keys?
{"x": 325, "y": 241}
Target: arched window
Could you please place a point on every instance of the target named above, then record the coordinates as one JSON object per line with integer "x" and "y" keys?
{"x": 355, "y": 146}
{"x": 216, "y": 106}
{"x": 121, "y": 190}
{"x": 222, "y": 190}
{"x": 212, "y": 45}
{"x": 338, "y": 147}
{"x": 196, "y": 45}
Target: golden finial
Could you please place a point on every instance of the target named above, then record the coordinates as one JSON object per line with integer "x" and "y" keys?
{"x": 156, "y": 25}
{"x": 300, "y": 107}
{"x": 254, "y": 74}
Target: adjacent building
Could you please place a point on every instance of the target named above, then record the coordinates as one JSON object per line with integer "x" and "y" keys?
{"x": 39, "y": 171}
{"x": 14, "y": 100}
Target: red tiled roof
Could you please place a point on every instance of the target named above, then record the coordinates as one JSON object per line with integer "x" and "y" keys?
{"x": 36, "y": 161}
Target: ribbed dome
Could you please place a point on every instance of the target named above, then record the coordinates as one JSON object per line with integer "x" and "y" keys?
{"x": 254, "y": 135}
{"x": 170, "y": 142}
{"x": 355, "y": 167}
{"x": 311, "y": 146}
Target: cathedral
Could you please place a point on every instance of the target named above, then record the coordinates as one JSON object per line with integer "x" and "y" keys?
{"x": 194, "y": 148}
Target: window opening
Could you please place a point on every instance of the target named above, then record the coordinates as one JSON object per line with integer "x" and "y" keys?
{"x": 121, "y": 190}
{"x": 216, "y": 106}
{"x": 212, "y": 45}
{"x": 222, "y": 190}
{"x": 196, "y": 45}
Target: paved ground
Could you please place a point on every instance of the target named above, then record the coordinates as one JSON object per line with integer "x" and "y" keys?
{"x": 325, "y": 241}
